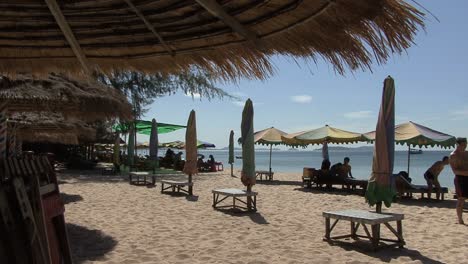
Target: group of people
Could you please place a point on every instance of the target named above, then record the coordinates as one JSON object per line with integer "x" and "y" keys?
{"x": 172, "y": 160}
{"x": 209, "y": 165}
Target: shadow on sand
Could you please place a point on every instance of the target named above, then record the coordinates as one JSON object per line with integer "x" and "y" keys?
{"x": 70, "y": 198}
{"x": 89, "y": 245}
{"x": 385, "y": 254}
{"x": 256, "y": 217}
{"x": 332, "y": 191}
{"x": 275, "y": 182}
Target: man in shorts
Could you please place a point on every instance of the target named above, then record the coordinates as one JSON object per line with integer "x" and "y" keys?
{"x": 432, "y": 175}
{"x": 459, "y": 164}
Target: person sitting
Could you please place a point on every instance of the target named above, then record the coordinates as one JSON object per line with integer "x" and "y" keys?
{"x": 178, "y": 162}
{"x": 201, "y": 162}
{"x": 324, "y": 173}
{"x": 211, "y": 163}
{"x": 345, "y": 169}
{"x": 432, "y": 174}
{"x": 168, "y": 160}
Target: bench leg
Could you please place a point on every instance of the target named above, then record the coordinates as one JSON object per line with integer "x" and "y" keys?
{"x": 400, "y": 233}
{"x": 327, "y": 228}
{"x": 353, "y": 230}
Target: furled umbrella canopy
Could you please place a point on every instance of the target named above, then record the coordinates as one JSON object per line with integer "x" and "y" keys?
{"x": 248, "y": 148}
{"x": 191, "y": 159}
{"x": 230, "y": 39}
{"x": 153, "y": 144}
{"x": 231, "y": 151}
{"x": 83, "y": 99}
{"x": 116, "y": 158}
{"x": 380, "y": 188}
{"x": 144, "y": 127}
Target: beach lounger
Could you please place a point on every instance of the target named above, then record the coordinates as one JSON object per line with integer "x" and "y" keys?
{"x": 405, "y": 188}
{"x": 266, "y": 174}
{"x": 236, "y": 195}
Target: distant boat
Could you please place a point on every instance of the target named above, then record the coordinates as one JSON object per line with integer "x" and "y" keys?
{"x": 238, "y": 157}
{"x": 415, "y": 151}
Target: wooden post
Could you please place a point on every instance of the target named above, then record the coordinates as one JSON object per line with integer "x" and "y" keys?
{"x": 249, "y": 198}
{"x": 378, "y": 207}
{"x": 375, "y": 235}
{"x": 271, "y": 148}
{"x": 353, "y": 230}
{"x": 232, "y": 170}
{"x": 190, "y": 187}
{"x": 327, "y": 228}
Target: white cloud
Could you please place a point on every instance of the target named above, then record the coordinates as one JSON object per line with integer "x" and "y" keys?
{"x": 302, "y": 99}
{"x": 194, "y": 96}
{"x": 239, "y": 103}
{"x": 460, "y": 114}
{"x": 358, "y": 114}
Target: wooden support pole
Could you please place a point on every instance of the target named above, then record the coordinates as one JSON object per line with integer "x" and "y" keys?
{"x": 217, "y": 10}
{"x": 69, "y": 36}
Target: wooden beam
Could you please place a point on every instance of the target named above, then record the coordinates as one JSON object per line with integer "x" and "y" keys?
{"x": 69, "y": 36}
{"x": 149, "y": 26}
{"x": 217, "y": 10}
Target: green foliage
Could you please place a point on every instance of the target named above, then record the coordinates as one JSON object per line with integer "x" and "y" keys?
{"x": 142, "y": 89}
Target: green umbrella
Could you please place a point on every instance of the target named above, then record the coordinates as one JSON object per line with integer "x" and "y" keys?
{"x": 248, "y": 149}
{"x": 131, "y": 147}
{"x": 144, "y": 127}
{"x": 191, "y": 159}
{"x": 153, "y": 144}
{"x": 380, "y": 188}
{"x": 231, "y": 151}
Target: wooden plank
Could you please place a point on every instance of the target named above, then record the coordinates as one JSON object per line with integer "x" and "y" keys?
{"x": 69, "y": 36}
{"x": 217, "y": 10}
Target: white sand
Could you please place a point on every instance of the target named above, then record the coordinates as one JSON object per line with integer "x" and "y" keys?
{"x": 111, "y": 221}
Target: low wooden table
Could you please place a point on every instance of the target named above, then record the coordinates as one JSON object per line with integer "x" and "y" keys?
{"x": 362, "y": 218}
{"x": 177, "y": 186}
{"x": 267, "y": 174}
{"x": 235, "y": 194}
{"x": 144, "y": 175}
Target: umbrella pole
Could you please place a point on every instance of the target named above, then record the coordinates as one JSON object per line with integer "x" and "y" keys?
{"x": 409, "y": 150}
{"x": 378, "y": 207}
{"x": 271, "y": 147}
{"x": 232, "y": 170}
{"x": 190, "y": 187}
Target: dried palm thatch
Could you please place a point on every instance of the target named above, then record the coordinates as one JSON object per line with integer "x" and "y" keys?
{"x": 51, "y": 128}
{"x": 84, "y": 99}
{"x": 226, "y": 38}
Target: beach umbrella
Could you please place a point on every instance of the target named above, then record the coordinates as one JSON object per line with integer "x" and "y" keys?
{"x": 191, "y": 160}
{"x": 117, "y": 150}
{"x": 131, "y": 148}
{"x": 323, "y": 135}
{"x": 413, "y": 134}
{"x": 270, "y": 136}
{"x": 248, "y": 149}
{"x": 380, "y": 187}
{"x": 231, "y": 151}
{"x": 145, "y": 127}
{"x": 230, "y": 39}
{"x": 153, "y": 143}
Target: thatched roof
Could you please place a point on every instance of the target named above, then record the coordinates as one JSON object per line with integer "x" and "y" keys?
{"x": 85, "y": 99}
{"x": 228, "y": 38}
{"x": 51, "y": 128}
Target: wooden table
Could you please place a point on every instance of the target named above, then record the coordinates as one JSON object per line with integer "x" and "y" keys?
{"x": 144, "y": 175}
{"x": 362, "y": 218}
{"x": 267, "y": 174}
{"x": 235, "y": 194}
{"x": 177, "y": 186}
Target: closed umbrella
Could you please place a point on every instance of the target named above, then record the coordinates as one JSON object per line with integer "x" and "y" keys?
{"x": 153, "y": 144}
{"x": 231, "y": 151}
{"x": 131, "y": 148}
{"x": 190, "y": 167}
{"x": 380, "y": 188}
{"x": 325, "y": 154}
{"x": 248, "y": 149}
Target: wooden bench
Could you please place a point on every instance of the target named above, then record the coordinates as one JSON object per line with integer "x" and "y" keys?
{"x": 177, "y": 186}
{"x": 362, "y": 218}
{"x": 144, "y": 178}
{"x": 267, "y": 174}
{"x": 235, "y": 194}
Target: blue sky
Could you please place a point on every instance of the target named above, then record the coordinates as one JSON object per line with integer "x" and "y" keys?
{"x": 431, "y": 89}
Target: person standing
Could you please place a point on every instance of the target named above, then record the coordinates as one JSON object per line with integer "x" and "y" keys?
{"x": 459, "y": 164}
{"x": 432, "y": 176}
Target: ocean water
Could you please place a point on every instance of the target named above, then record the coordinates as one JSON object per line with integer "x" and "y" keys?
{"x": 361, "y": 162}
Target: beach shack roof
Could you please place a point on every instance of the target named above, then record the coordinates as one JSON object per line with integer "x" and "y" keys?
{"x": 85, "y": 99}
{"x": 227, "y": 38}
{"x": 51, "y": 128}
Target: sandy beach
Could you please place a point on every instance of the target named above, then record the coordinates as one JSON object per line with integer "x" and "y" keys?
{"x": 110, "y": 221}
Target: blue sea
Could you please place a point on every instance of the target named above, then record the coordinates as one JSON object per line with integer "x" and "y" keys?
{"x": 361, "y": 162}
